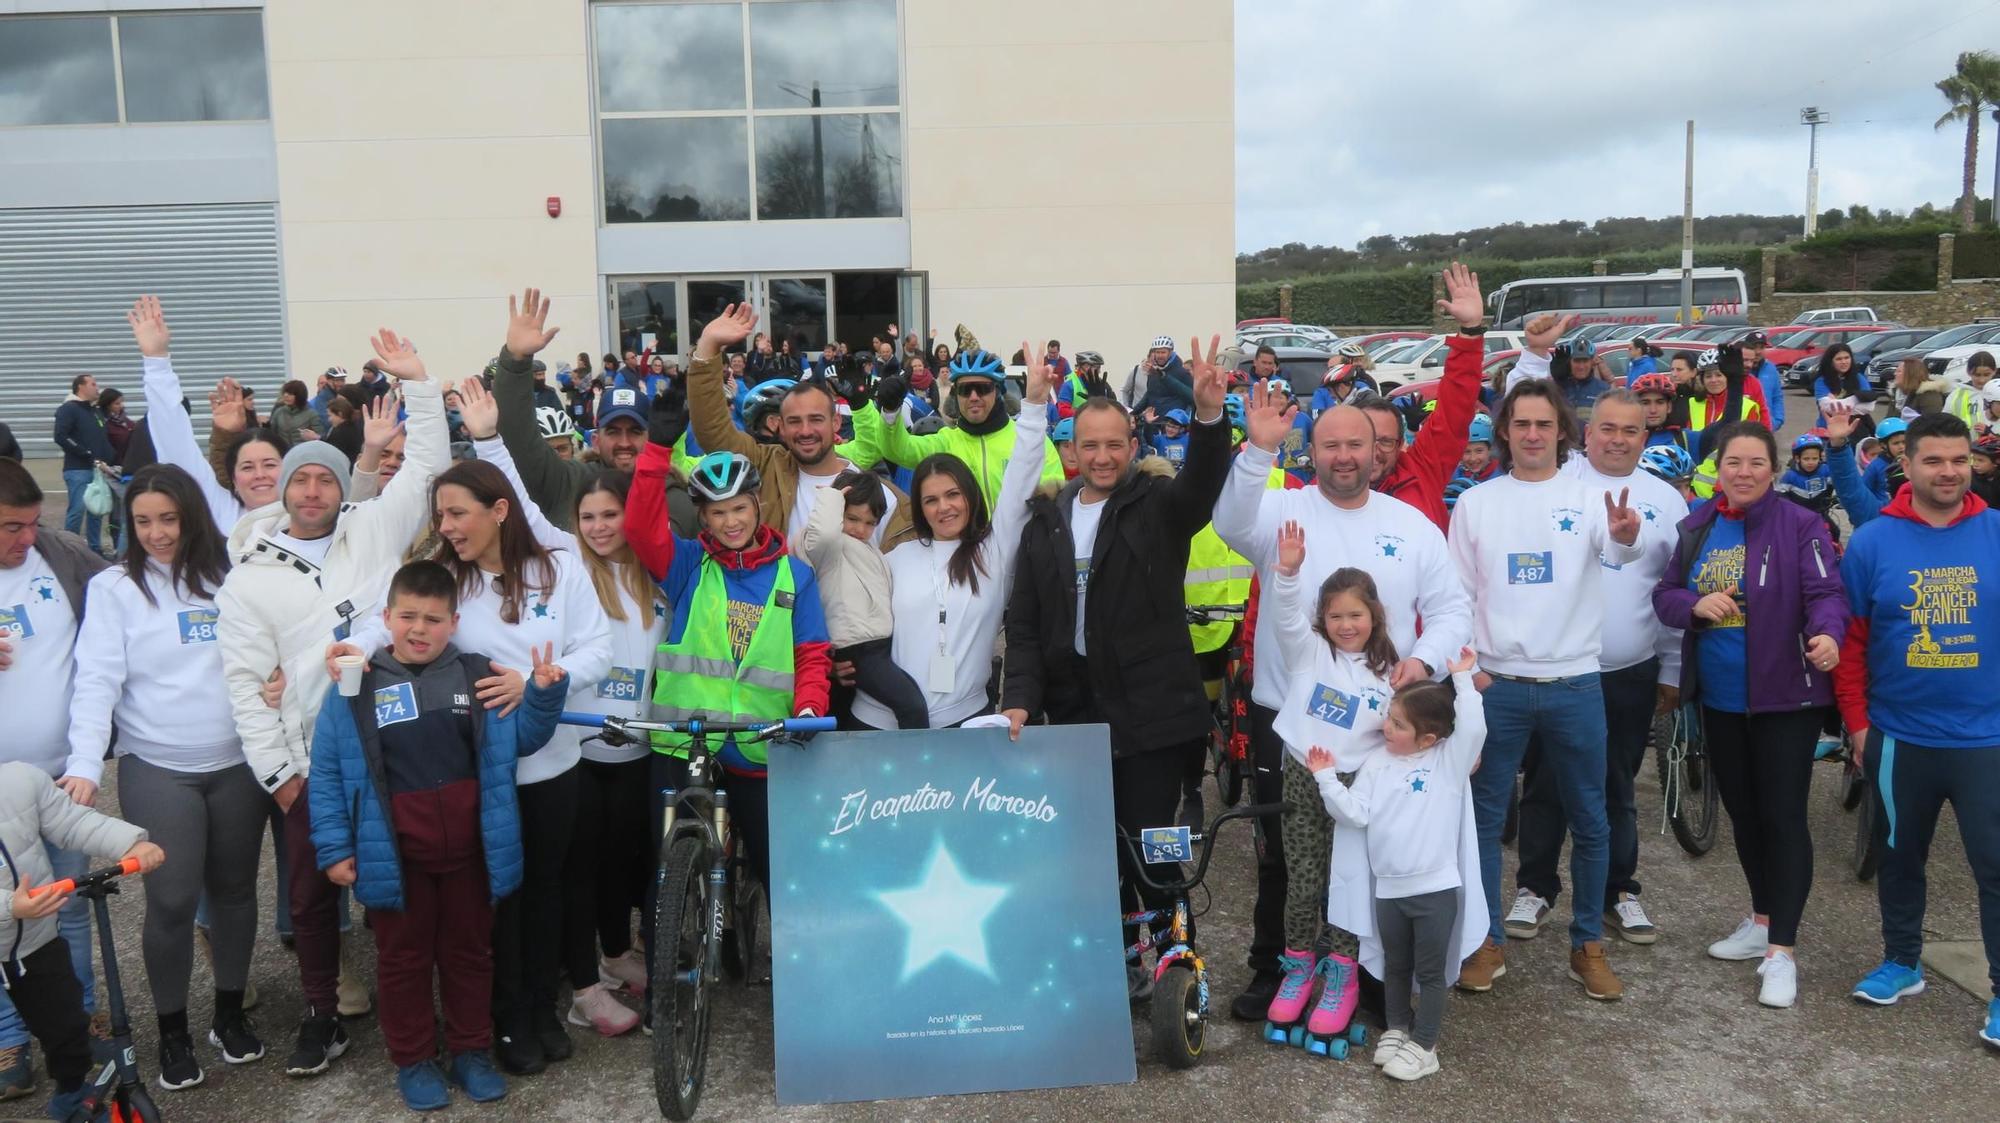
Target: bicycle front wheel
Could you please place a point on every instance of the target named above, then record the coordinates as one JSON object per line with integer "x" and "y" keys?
{"x": 680, "y": 982}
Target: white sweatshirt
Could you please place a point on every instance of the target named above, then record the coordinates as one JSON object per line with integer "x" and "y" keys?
{"x": 154, "y": 670}
{"x": 1412, "y": 806}
{"x": 1401, "y": 549}
{"x": 1632, "y": 630}
{"x": 853, "y": 575}
{"x": 1332, "y": 700}
{"x": 627, "y": 686}
{"x": 921, "y": 589}
{"x": 1532, "y": 555}
{"x": 173, "y": 440}
{"x": 38, "y": 621}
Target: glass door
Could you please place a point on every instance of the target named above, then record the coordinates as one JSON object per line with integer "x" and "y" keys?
{"x": 648, "y": 316}
{"x": 797, "y": 309}
{"x": 707, "y": 297}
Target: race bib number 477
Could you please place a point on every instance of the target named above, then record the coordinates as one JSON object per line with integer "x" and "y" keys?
{"x": 1530, "y": 568}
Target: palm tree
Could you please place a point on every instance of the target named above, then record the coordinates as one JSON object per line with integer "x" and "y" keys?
{"x": 1973, "y": 85}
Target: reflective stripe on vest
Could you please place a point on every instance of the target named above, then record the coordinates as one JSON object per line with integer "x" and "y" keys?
{"x": 1698, "y": 418}
{"x": 700, "y": 677}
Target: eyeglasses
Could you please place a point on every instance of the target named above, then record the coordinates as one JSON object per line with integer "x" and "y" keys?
{"x": 979, "y": 387}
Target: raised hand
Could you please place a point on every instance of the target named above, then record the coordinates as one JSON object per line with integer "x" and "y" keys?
{"x": 1040, "y": 378}
{"x": 547, "y": 672}
{"x": 527, "y": 320}
{"x": 1318, "y": 759}
{"x": 1620, "y": 518}
{"x": 478, "y": 410}
{"x": 1291, "y": 548}
{"x": 1268, "y": 416}
{"x": 225, "y": 407}
{"x": 1543, "y": 331}
{"x": 1463, "y": 302}
{"x": 379, "y": 423}
{"x": 397, "y": 356}
{"x": 1211, "y": 382}
{"x": 1467, "y": 659}
{"x": 1840, "y": 424}
{"x": 1096, "y": 386}
{"x": 727, "y": 330}
{"x": 149, "y": 327}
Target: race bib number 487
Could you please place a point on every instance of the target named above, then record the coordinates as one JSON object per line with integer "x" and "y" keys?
{"x": 1530, "y": 568}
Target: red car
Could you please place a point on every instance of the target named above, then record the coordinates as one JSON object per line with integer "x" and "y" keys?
{"x": 1260, "y": 321}
{"x": 1789, "y": 346}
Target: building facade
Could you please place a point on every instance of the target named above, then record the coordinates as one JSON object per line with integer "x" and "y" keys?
{"x": 293, "y": 175}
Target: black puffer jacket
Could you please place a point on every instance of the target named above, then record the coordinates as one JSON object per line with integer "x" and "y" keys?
{"x": 1140, "y": 676}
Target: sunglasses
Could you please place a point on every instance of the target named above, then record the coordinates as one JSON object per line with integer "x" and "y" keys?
{"x": 978, "y": 388}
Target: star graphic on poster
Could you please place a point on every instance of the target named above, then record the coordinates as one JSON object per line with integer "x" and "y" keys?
{"x": 945, "y": 914}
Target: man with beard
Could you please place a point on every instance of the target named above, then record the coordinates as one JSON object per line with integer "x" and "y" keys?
{"x": 982, "y": 438}
{"x": 623, "y": 417}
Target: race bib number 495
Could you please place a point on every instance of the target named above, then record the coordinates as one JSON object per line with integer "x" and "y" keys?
{"x": 1530, "y": 568}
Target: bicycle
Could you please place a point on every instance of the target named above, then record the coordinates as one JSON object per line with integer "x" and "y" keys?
{"x": 1686, "y": 779}
{"x": 117, "y": 1093}
{"x": 1229, "y": 738}
{"x": 694, "y": 907}
{"x": 1179, "y": 1006}
{"x": 1856, "y": 794}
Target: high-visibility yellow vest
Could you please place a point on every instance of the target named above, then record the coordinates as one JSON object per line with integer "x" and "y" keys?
{"x": 700, "y": 677}
{"x": 1218, "y": 575}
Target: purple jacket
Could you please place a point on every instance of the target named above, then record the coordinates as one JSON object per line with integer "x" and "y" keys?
{"x": 1791, "y": 583}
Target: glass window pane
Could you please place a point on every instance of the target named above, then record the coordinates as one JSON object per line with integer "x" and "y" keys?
{"x": 797, "y": 311}
{"x": 864, "y": 305}
{"x": 1661, "y": 294}
{"x": 690, "y": 170}
{"x": 1630, "y": 294}
{"x": 194, "y": 67}
{"x": 1716, "y": 290}
{"x": 57, "y": 72}
{"x": 647, "y": 318}
{"x": 844, "y": 49}
{"x": 1577, "y": 296}
{"x": 669, "y": 56}
{"x": 708, "y": 299}
{"x": 829, "y": 166}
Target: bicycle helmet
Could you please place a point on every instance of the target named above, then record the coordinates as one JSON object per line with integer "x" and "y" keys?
{"x": 1655, "y": 383}
{"x": 1711, "y": 358}
{"x": 1089, "y": 359}
{"x": 1065, "y": 430}
{"x": 977, "y": 364}
{"x": 1582, "y": 349}
{"x": 763, "y": 399}
{"x": 1894, "y": 426}
{"x": 1352, "y": 351}
{"x": 1234, "y": 406}
{"x": 1480, "y": 432}
{"x": 1988, "y": 446}
{"x": 554, "y": 423}
{"x": 723, "y": 475}
{"x": 1806, "y": 441}
{"x": 1669, "y": 462}
{"x": 1162, "y": 343}
{"x": 1457, "y": 486}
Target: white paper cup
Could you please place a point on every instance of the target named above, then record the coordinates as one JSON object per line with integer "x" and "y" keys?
{"x": 351, "y": 667}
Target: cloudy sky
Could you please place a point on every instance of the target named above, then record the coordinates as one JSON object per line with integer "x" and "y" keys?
{"x": 1365, "y": 117}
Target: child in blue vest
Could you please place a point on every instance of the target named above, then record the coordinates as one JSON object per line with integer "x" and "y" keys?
{"x": 1477, "y": 465}
{"x": 1172, "y": 439}
{"x": 413, "y": 805}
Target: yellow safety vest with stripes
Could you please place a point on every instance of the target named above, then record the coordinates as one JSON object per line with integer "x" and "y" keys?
{"x": 1218, "y": 575}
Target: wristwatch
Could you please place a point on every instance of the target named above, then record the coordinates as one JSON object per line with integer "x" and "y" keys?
{"x": 1474, "y": 331}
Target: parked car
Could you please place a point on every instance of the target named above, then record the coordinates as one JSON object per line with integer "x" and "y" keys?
{"x": 1303, "y": 367}
{"x": 1865, "y": 344}
{"x": 1261, "y": 321}
{"x": 1283, "y": 338}
{"x": 1377, "y": 342}
{"x": 1882, "y": 368}
{"x": 1426, "y": 360}
{"x": 1852, "y": 315}
{"x": 1616, "y": 360}
{"x": 1789, "y": 347}
{"x": 1398, "y": 350}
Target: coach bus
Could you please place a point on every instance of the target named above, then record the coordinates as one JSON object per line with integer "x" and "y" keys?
{"x": 1720, "y": 297}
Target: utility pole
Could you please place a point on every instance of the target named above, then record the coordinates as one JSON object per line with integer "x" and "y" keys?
{"x": 1812, "y": 117}
{"x": 1687, "y": 233}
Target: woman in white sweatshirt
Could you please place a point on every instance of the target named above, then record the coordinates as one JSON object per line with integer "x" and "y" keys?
{"x": 148, "y": 663}
{"x": 950, "y": 586}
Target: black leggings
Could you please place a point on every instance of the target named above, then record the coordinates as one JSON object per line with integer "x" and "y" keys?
{"x": 528, "y": 925}
{"x": 1763, "y": 769}
{"x": 612, "y": 856}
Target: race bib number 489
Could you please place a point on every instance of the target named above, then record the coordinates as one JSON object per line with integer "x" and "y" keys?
{"x": 1530, "y": 568}
{"x": 620, "y": 684}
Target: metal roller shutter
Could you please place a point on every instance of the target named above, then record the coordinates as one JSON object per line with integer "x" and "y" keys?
{"x": 68, "y": 276}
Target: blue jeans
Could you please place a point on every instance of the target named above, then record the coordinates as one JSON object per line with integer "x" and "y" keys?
{"x": 1568, "y": 714}
{"x": 75, "y": 517}
{"x": 75, "y": 923}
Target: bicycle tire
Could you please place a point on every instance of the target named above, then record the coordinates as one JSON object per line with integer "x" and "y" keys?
{"x": 1180, "y": 1025}
{"x": 1853, "y": 788}
{"x": 753, "y": 931}
{"x": 1686, "y": 782}
{"x": 680, "y": 1002}
{"x": 1870, "y": 834}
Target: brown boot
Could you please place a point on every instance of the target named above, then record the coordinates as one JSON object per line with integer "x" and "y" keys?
{"x": 1482, "y": 967}
{"x": 1588, "y": 966}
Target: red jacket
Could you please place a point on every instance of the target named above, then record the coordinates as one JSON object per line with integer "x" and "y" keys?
{"x": 1424, "y": 467}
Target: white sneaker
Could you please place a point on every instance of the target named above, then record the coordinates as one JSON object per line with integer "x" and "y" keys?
{"x": 1750, "y": 941}
{"x": 626, "y": 972}
{"x": 1413, "y": 1062}
{"x": 1781, "y": 981}
{"x": 1385, "y": 1049}
{"x": 1628, "y": 918}
{"x": 1524, "y": 921}
{"x": 594, "y": 1007}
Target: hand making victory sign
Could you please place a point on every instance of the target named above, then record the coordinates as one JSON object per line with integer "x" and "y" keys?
{"x": 1620, "y": 519}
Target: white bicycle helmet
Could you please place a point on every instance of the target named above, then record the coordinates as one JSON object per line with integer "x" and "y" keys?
{"x": 554, "y": 423}
{"x": 1352, "y": 351}
{"x": 1709, "y": 358}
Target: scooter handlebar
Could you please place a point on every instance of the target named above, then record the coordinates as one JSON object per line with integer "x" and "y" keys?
{"x": 788, "y": 725}
{"x": 124, "y": 867}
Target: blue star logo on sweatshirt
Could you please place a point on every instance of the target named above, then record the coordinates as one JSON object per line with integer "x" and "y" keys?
{"x": 542, "y": 609}
{"x": 1390, "y": 544}
{"x": 45, "y": 587}
{"x": 1566, "y": 519}
{"x": 1418, "y": 779}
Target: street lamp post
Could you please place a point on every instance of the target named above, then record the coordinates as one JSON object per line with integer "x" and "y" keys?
{"x": 1812, "y": 117}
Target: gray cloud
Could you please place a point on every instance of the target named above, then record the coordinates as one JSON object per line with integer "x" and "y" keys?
{"x": 1371, "y": 116}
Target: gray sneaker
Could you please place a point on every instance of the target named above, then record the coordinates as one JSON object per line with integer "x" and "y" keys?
{"x": 1524, "y": 920}
{"x": 1628, "y": 919}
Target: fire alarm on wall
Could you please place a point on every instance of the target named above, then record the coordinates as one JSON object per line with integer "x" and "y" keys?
{"x": 555, "y": 206}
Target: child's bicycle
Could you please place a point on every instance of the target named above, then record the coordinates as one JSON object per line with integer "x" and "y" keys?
{"x": 1180, "y": 975}
{"x": 117, "y": 1094}
{"x": 1229, "y": 741}
{"x": 695, "y": 905}
{"x": 1686, "y": 779}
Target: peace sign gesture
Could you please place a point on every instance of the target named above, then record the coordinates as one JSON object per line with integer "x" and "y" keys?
{"x": 1040, "y": 377}
{"x": 527, "y": 318}
{"x": 1211, "y": 382}
{"x": 1620, "y": 518}
{"x": 546, "y": 672}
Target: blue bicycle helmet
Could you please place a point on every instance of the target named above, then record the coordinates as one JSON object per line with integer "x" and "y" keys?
{"x": 1480, "y": 431}
{"x": 1457, "y": 486}
{"x": 1806, "y": 441}
{"x": 1894, "y": 426}
{"x": 1065, "y": 430}
{"x": 1234, "y": 406}
{"x": 1669, "y": 462}
{"x": 763, "y": 398}
{"x": 982, "y": 364}
{"x": 723, "y": 475}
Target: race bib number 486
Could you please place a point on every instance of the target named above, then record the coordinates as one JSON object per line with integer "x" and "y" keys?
{"x": 1530, "y": 568}
{"x": 197, "y": 626}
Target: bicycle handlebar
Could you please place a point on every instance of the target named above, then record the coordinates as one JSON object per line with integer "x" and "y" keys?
{"x": 1207, "y": 836}
{"x": 95, "y": 877}
{"x": 617, "y": 725}
{"x": 1216, "y": 613}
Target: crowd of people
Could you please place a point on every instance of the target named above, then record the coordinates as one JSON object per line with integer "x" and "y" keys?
{"x": 352, "y": 624}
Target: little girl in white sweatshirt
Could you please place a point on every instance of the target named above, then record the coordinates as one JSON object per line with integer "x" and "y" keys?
{"x": 1413, "y": 799}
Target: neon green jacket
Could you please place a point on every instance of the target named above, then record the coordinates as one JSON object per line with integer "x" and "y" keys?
{"x": 987, "y": 456}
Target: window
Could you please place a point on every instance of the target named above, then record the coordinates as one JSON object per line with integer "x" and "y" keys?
{"x": 177, "y": 66}
{"x": 754, "y": 109}
{"x": 1717, "y": 290}
{"x": 1663, "y": 294}
{"x": 1628, "y": 294}
{"x": 1579, "y": 296}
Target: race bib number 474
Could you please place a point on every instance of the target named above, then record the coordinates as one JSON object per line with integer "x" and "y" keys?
{"x": 395, "y": 705}
{"x": 1530, "y": 568}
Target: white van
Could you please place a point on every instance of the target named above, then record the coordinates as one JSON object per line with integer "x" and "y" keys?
{"x": 1838, "y": 316}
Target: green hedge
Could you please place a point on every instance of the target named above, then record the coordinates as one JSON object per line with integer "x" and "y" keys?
{"x": 1976, "y": 255}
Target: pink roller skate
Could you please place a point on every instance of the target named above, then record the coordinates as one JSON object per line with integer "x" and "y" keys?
{"x": 1282, "y": 1021}
{"x": 1331, "y": 1028}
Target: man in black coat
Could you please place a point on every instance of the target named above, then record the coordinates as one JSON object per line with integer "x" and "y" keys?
{"x": 1111, "y": 547}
